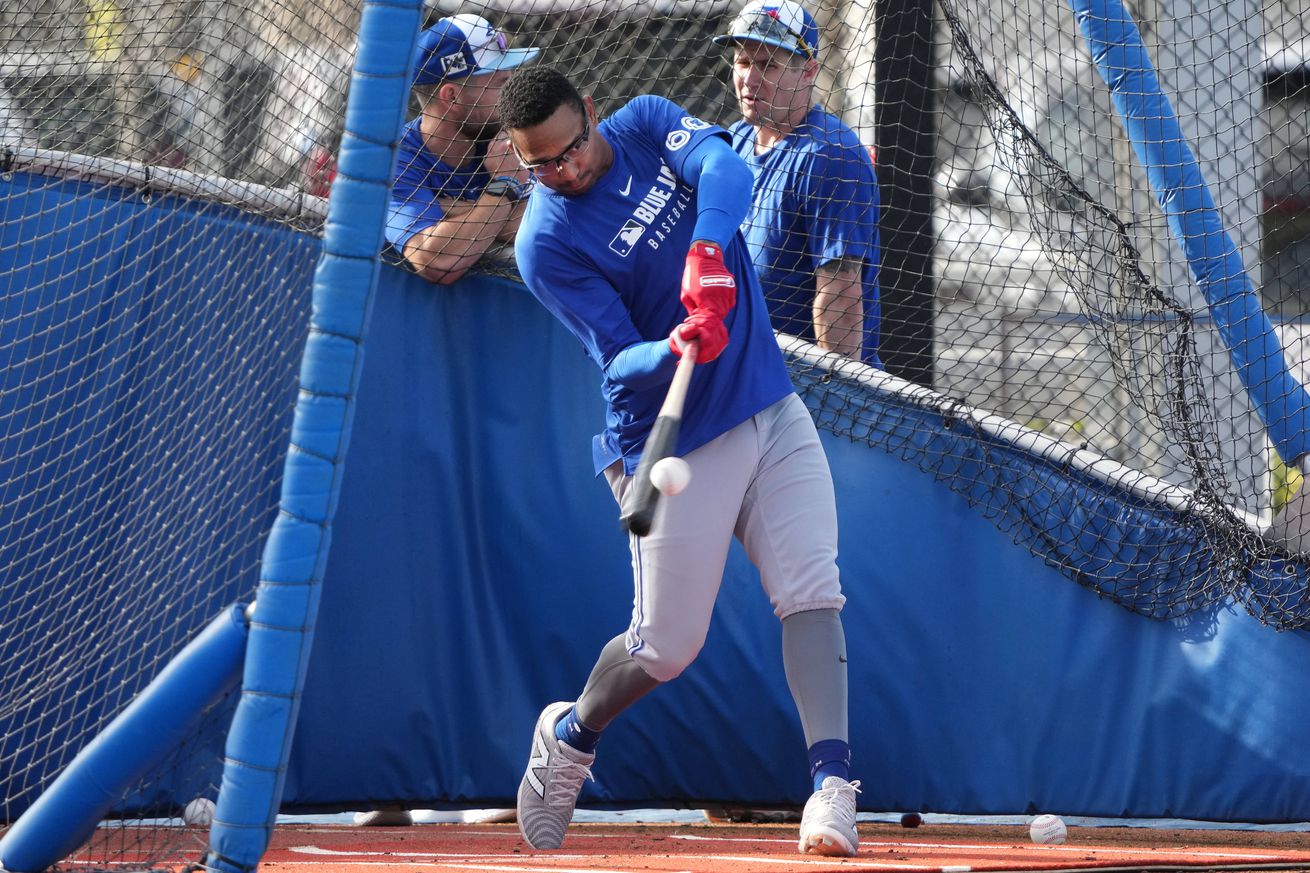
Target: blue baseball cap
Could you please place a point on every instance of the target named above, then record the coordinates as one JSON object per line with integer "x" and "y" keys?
{"x": 464, "y": 45}
{"x": 775, "y": 22}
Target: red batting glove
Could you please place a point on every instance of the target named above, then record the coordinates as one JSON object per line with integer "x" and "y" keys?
{"x": 707, "y": 286}
{"x": 708, "y": 329}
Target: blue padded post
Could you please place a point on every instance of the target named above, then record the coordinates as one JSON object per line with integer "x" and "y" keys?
{"x": 1180, "y": 189}
{"x": 282, "y": 629}
{"x": 155, "y": 723}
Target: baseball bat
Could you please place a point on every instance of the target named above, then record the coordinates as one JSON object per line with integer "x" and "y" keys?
{"x": 663, "y": 439}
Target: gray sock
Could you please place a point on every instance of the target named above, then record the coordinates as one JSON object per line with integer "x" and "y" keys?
{"x": 814, "y": 658}
{"x": 616, "y": 682}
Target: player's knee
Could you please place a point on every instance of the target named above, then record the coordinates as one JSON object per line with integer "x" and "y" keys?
{"x": 828, "y": 601}
{"x": 666, "y": 663}
{"x": 666, "y": 670}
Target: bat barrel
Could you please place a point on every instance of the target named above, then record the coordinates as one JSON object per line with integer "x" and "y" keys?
{"x": 639, "y": 508}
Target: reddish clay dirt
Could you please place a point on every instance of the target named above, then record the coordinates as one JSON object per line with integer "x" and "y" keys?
{"x": 737, "y": 848}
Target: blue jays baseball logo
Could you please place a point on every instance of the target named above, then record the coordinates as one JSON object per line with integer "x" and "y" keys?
{"x": 659, "y": 211}
{"x": 456, "y": 63}
{"x": 627, "y": 237}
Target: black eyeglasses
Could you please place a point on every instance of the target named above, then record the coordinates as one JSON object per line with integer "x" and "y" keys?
{"x": 768, "y": 27}
{"x": 557, "y": 163}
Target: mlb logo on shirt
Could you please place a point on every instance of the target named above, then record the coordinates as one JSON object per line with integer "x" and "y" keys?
{"x": 626, "y": 239}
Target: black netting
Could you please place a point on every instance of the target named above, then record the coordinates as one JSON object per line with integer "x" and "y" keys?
{"x": 155, "y": 298}
{"x": 162, "y": 173}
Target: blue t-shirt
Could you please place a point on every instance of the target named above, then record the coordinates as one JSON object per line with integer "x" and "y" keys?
{"x": 420, "y": 179}
{"x": 815, "y": 200}
{"x": 609, "y": 263}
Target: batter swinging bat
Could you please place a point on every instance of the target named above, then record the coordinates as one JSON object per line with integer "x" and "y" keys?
{"x": 640, "y": 510}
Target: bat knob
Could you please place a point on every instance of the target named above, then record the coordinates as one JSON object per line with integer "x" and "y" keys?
{"x": 639, "y": 523}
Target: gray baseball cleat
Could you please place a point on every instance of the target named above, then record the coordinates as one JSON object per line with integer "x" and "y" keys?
{"x": 828, "y": 823}
{"x": 551, "y": 785}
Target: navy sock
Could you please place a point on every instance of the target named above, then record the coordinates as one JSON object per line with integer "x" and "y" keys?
{"x": 829, "y": 758}
{"x": 569, "y": 730}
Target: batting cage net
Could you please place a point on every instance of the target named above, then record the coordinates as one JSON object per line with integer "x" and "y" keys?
{"x": 1033, "y": 327}
{"x": 152, "y": 325}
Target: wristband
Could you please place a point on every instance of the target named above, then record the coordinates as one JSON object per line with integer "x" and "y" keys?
{"x": 508, "y": 187}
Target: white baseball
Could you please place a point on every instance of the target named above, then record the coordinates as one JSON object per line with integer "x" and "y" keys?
{"x": 670, "y": 475}
{"x": 1048, "y": 830}
{"x": 199, "y": 811}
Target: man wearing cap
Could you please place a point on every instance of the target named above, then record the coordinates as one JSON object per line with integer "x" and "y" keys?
{"x": 813, "y": 226}
{"x": 632, "y": 239}
{"x": 458, "y": 190}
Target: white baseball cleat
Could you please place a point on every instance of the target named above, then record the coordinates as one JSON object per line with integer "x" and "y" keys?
{"x": 551, "y": 785}
{"x": 828, "y": 823}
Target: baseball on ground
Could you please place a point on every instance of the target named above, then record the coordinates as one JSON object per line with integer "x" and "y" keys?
{"x": 1048, "y": 829}
{"x": 199, "y": 811}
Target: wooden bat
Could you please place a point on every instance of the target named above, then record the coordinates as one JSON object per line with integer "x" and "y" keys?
{"x": 640, "y": 505}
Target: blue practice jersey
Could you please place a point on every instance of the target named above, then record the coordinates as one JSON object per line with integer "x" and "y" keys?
{"x": 815, "y": 200}
{"x": 420, "y": 179}
{"x": 609, "y": 263}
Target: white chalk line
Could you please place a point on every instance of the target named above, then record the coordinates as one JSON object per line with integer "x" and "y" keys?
{"x": 1245, "y": 856}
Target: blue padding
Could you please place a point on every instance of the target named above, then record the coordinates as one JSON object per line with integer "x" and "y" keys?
{"x": 286, "y": 607}
{"x": 103, "y": 287}
{"x": 1158, "y": 562}
{"x": 1179, "y": 187}
{"x": 151, "y": 727}
{"x": 478, "y": 567}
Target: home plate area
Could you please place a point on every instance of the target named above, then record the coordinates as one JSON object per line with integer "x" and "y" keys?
{"x": 711, "y": 848}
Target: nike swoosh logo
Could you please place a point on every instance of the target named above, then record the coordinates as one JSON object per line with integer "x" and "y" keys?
{"x": 627, "y": 187}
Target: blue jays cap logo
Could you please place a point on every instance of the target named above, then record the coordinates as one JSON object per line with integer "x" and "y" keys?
{"x": 780, "y": 23}
{"x": 464, "y": 45}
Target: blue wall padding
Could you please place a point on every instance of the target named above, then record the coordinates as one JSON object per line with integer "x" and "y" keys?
{"x": 478, "y": 567}
{"x": 103, "y": 288}
{"x": 167, "y": 712}
{"x": 1153, "y": 560}
{"x": 1180, "y": 189}
{"x": 287, "y": 602}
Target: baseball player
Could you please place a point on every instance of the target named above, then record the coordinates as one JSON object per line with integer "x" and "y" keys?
{"x": 631, "y": 239}
{"x": 813, "y": 226}
{"x": 458, "y": 189}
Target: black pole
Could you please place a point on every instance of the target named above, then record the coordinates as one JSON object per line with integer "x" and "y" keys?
{"x": 904, "y": 137}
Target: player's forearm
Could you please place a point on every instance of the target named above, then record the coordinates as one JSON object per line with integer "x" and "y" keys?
{"x": 643, "y": 365}
{"x": 510, "y": 229}
{"x": 839, "y": 312}
{"x": 444, "y": 252}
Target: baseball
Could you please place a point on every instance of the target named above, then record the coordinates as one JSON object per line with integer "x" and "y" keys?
{"x": 199, "y": 811}
{"x": 670, "y": 475}
{"x": 1048, "y": 829}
